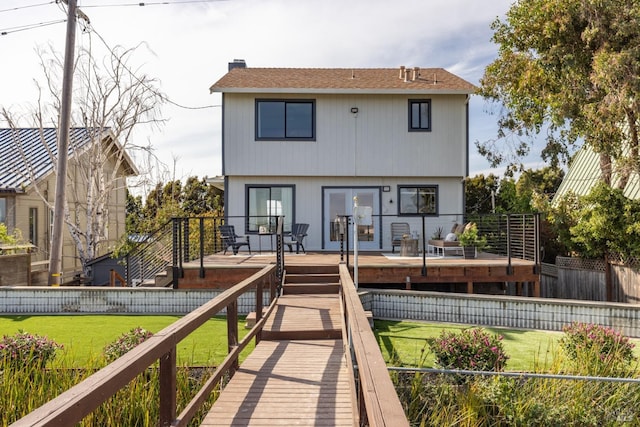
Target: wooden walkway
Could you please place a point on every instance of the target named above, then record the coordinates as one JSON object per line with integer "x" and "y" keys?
{"x": 298, "y": 374}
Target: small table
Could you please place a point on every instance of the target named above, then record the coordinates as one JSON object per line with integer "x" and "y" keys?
{"x": 409, "y": 247}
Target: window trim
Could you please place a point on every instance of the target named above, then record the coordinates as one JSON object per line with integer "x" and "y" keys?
{"x": 312, "y": 102}
{"x": 412, "y": 102}
{"x": 287, "y": 221}
{"x": 417, "y": 187}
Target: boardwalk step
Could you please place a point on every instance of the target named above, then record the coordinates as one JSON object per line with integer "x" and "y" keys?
{"x": 311, "y": 288}
{"x": 304, "y": 316}
{"x": 316, "y": 268}
{"x": 312, "y": 277}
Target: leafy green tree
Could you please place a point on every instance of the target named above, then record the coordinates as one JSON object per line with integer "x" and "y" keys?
{"x": 569, "y": 68}
{"x": 608, "y": 222}
{"x": 199, "y": 197}
{"x": 480, "y": 192}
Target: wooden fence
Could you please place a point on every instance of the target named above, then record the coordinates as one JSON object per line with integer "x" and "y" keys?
{"x": 575, "y": 278}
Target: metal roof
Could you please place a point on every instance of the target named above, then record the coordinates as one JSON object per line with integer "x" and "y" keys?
{"x": 38, "y": 147}
{"x": 584, "y": 173}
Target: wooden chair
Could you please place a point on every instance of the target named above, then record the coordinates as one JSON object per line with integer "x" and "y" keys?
{"x": 232, "y": 240}
{"x": 298, "y": 233}
{"x": 398, "y": 229}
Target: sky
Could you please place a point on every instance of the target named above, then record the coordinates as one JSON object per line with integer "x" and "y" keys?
{"x": 187, "y": 45}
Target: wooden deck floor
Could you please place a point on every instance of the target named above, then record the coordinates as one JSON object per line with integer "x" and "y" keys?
{"x": 289, "y": 382}
{"x": 298, "y": 374}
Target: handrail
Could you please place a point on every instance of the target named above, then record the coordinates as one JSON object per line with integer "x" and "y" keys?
{"x": 379, "y": 404}
{"x": 73, "y": 405}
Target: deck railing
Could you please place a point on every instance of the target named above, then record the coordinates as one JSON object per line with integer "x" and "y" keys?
{"x": 376, "y": 398}
{"x": 73, "y": 405}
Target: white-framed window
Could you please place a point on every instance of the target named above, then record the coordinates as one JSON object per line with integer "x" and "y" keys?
{"x": 418, "y": 199}
{"x": 419, "y": 115}
{"x": 3, "y": 210}
{"x": 285, "y": 119}
{"x": 33, "y": 226}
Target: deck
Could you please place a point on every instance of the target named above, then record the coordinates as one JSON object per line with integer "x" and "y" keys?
{"x": 298, "y": 373}
{"x": 447, "y": 273}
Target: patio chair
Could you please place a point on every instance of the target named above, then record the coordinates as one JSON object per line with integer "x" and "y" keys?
{"x": 398, "y": 229}
{"x": 298, "y": 233}
{"x": 232, "y": 240}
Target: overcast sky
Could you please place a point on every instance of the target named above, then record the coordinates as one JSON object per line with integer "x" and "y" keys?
{"x": 191, "y": 42}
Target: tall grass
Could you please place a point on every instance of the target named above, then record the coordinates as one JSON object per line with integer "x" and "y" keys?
{"x": 432, "y": 399}
{"x": 25, "y": 389}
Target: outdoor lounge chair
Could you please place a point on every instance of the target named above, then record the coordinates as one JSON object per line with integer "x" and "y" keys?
{"x": 398, "y": 229}
{"x": 232, "y": 240}
{"x": 298, "y": 233}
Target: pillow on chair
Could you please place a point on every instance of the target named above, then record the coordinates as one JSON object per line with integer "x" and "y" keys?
{"x": 451, "y": 237}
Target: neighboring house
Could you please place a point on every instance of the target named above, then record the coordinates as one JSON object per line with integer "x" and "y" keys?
{"x": 584, "y": 173}
{"x": 27, "y": 180}
{"x": 303, "y": 142}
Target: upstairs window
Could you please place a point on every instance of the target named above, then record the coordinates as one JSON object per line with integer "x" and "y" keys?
{"x": 422, "y": 200}
{"x": 419, "y": 115}
{"x": 288, "y": 119}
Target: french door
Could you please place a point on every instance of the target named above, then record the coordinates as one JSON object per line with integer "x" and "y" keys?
{"x": 339, "y": 202}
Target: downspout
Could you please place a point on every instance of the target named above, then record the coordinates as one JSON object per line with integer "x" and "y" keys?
{"x": 466, "y": 172}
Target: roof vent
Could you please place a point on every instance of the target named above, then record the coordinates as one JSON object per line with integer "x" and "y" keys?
{"x": 237, "y": 63}
{"x": 416, "y": 73}
{"x": 402, "y": 72}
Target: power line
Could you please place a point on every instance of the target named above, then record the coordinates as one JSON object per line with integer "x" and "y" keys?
{"x": 12, "y": 9}
{"x": 152, "y": 3}
{"x": 30, "y": 27}
{"x": 161, "y": 95}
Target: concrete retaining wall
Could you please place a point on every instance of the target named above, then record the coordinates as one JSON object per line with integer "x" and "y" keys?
{"x": 503, "y": 311}
{"x": 84, "y": 300}
{"x": 486, "y": 310}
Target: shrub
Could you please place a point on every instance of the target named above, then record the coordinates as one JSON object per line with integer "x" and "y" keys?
{"x": 27, "y": 350}
{"x": 472, "y": 349}
{"x": 126, "y": 342}
{"x": 596, "y": 348}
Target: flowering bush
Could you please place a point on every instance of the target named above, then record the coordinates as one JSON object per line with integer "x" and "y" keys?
{"x": 126, "y": 342}
{"x": 26, "y": 350}
{"x": 471, "y": 349}
{"x": 596, "y": 346}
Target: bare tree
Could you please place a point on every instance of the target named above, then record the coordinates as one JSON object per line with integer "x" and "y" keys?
{"x": 111, "y": 101}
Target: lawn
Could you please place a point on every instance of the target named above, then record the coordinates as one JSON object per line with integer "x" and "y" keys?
{"x": 525, "y": 348}
{"x": 85, "y": 336}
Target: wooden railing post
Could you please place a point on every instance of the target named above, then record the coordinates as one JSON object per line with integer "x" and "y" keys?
{"x": 232, "y": 331}
{"x": 168, "y": 387}
{"x": 259, "y": 306}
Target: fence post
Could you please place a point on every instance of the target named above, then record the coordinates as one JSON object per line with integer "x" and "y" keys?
{"x": 201, "y": 226}
{"x": 509, "y": 267}
{"x": 174, "y": 253}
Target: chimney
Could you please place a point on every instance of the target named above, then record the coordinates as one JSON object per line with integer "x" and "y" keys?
{"x": 237, "y": 63}
{"x": 402, "y": 72}
{"x": 416, "y": 73}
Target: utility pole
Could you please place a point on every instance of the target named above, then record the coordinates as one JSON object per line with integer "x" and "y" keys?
{"x": 55, "y": 258}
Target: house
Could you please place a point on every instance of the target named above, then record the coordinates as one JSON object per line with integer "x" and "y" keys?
{"x": 28, "y": 181}
{"x": 303, "y": 142}
{"x": 584, "y": 173}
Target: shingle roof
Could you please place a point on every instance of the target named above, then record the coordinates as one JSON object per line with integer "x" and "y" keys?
{"x": 342, "y": 80}
{"x": 40, "y": 148}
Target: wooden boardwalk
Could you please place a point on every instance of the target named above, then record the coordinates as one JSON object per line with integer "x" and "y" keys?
{"x": 298, "y": 374}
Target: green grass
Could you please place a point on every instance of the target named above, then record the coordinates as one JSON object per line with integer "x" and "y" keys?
{"x": 85, "y": 336}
